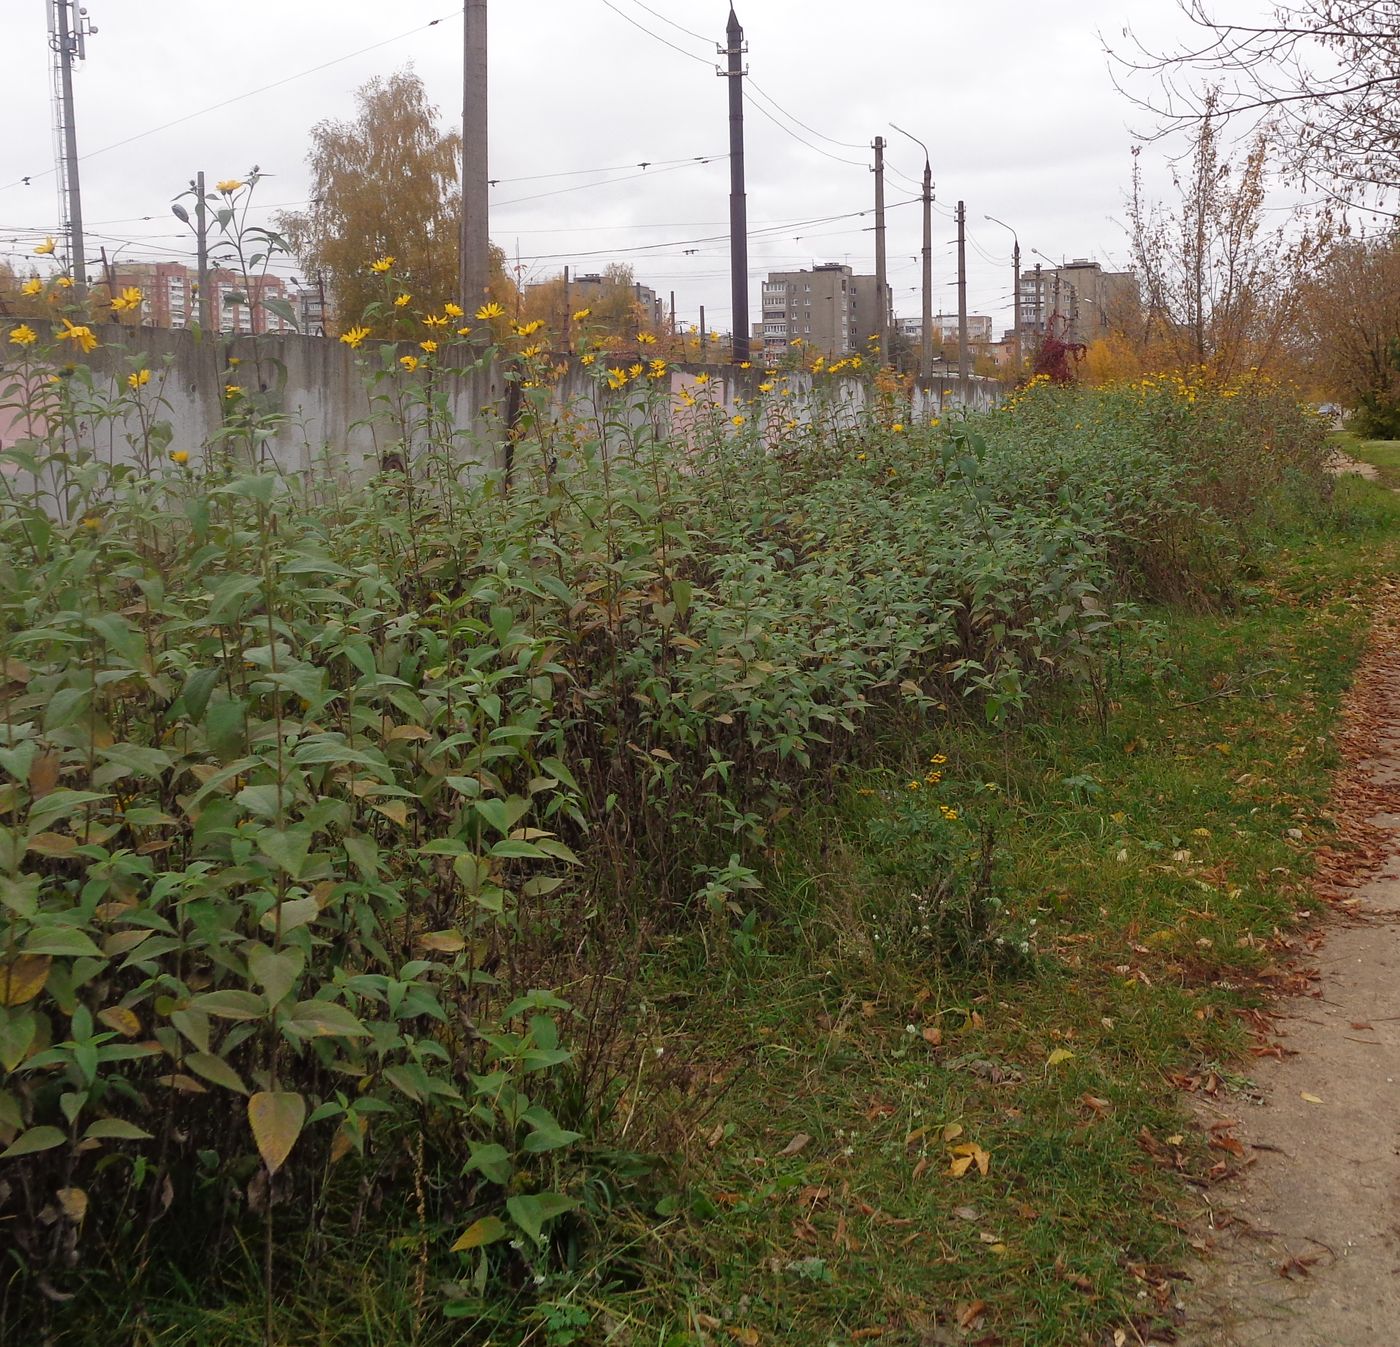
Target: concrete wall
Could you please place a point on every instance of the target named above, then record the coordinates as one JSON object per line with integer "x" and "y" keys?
{"x": 327, "y": 414}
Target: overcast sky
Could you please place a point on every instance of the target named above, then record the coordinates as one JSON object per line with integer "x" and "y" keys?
{"x": 1014, "y": 99}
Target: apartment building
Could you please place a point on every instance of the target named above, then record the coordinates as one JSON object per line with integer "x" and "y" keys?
{"x": 1088, "y": 301}
{"x": 828, "y": 308}
{"x": 945, "y": 327}
{"x": 170, "y": 295}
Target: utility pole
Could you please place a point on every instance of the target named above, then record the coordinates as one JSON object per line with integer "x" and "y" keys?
{"x": 1039, "y": 331}
{"x": 568, "y": 313}
{"x": 738, "y": 199}
{"x": 702, "y": 334}
{"x": 474, "y": 265}
{"x": 963, "y": 370}
{"x": 1015, "y": 291}
{"x": 926, "y": 346}
{"x": 68, "y": 39}
{"x": 881, "y": 261}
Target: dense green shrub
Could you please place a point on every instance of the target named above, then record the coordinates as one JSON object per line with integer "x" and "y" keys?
{"x": 309, "y": 787}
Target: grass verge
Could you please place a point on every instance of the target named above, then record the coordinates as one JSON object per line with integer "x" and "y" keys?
{"x": 1149, "y": 871}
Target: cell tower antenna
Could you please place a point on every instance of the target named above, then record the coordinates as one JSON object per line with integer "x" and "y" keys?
{"x": 69, "y": 29}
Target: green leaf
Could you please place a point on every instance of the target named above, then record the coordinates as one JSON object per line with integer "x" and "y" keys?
{"x": 487, "y": 1230}
{"x": 65, "y": 941}
{"x": 115, "y": 1129}
{"x": 275, "y": 973}
{"x": 532, "y": 1211}
{"x": 294, "y": 912}
{"x": 198, "y": 687}
{"x": 324, "y": 1019}
{"x": 215, "y": 1069}
{"x": 276, "y": 1119}
{"x": 231, "y": 1005}
{"x": 34, "y": 1140}
{"x": 492, "y": 1161}
{"x": 287, "y": 850}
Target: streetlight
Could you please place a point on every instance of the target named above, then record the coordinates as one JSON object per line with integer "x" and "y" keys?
{"x": 1015, "y": 286}
{"x": 926, "y": 347}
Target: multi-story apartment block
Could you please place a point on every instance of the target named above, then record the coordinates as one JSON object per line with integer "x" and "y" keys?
{"x": 828, "y": 308}
{"x": 1088, "y": 301}
{"x": 945, "y": 327}
{"x": 170, "y": 294}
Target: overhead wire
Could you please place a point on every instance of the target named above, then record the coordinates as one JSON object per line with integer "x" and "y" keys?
{"x": 679, "y": 27}
{"x": 608, "y": 182}
{"x": 27, "y": 178}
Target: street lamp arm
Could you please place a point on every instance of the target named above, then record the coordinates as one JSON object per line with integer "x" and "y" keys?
{"x": 916, "y": 140}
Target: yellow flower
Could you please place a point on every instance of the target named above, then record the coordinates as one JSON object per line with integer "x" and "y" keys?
{"x": 232, "y": 391}
{"x": 464, "y": 332}
{"x": 531, "y": 351}
{"x": 587, "y": 359}
{"x": 138, "y": 380}
{"x": 409, "y": 362}
{"x": 528, "y": 329}
{"x": 234, "y": 361}
{"x": 429, "y": 346}
{"x": 23, "y": 335}
{"x": 766, "y": 387}
{"x": 180, "y": 457}
{"x": 746, "y": 364}
{"x": 657, "y": 370}
{"x": 80, "y": 336}
{"x": 898, "y": 427}
{"x": 92, "y": 522}
{"x": 914, "y": 785}
{"x": 128, "y": 300}
{"x": 228, "y": 185}
{"x": 935, "y": 423}
{"x": 617, "y": 378}
{"x": 401, "y": 300}
{"x": 45, "y": 249}
{"x": 701, "y": 380}
{"x": 860, "y": 458}
{"x": 432, "y": 320}
{"x": 381, "y": 264}
{"x": 645, "y": 339}
{"x": 489, "y": 311}
{"x": 581, "y": 314}
{"x": 950, "y": 814}
{"x": 32, "y": 286}
{"x": 736, "y": 421}
{"x": 453, "y": 310}
{"x": 939, "y": 759}
{"x": 354, "y": 337}
{"x": 634, "y": 371}
{"x": 63, "y": 282}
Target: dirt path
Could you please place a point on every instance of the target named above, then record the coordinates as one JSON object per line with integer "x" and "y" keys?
{"x": 1305, "y": 1249}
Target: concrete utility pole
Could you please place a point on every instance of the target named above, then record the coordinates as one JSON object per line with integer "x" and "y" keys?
{"x": 926, "y": 346}
{"x": 1015, "y": 290}
{"x": 738, "y": 199}
{"x": 702, "y": 334}
{"x": 68, "y": 39}
{"x": 963, "y": 369}
{"x": 1039, "y": 330}
{"x": 474, "y": 264}
{"x": 881, "y": 260}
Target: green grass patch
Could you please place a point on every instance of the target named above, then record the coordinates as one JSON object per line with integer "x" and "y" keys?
{"x": 1383, "y": 455}
{"x": 1147, "y": 870}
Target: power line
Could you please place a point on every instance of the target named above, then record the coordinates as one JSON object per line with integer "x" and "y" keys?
{"x": 237, "y": 98}
{"x": 607, "y": 182}
{"x": 680, "y": 28}
{"x": 614, "y": 168}
{"x": 627, "y": 18}
{"x": 787, "y": 130}
{"x": 711, "y": 238}
{"x": 844, "y": 144}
